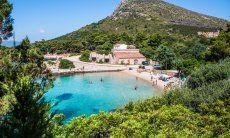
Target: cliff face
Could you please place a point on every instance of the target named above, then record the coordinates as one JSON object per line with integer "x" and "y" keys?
{"x": 150, "y": 16}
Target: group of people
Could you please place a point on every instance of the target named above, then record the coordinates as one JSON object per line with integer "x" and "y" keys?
{"x": 154, "y": 81}
{"x": 100, "y": 80}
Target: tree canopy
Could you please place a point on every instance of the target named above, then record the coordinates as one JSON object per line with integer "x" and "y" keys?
{"x": 6, "y": 21}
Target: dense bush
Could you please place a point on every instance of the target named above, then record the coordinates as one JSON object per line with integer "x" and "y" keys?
{"x": 85, "y": 56}
{"x": 165, "y": 56}
{"x": 209, "y": 74}
{"x": 51, "y": 62}
{"x": 208, "y": 94}
{"x": 66, "y": 64}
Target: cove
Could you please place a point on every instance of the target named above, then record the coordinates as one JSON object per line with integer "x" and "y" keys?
{"x": 87, "y": 94}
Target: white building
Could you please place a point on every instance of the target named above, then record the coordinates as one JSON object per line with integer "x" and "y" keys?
{"x": 95, "y": 57}
{"x": 121, "y": 54}
{"x": 128, "y": 56}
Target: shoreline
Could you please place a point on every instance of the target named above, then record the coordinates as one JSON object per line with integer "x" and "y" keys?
{"x": 82, "y": 72}
{"x": 145, "y": 77}
{"x": 85, "y": 67}
{"x": 160, "y": 84}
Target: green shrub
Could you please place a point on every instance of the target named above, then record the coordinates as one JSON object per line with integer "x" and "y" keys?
{"x": 209, "y": 74}
{"x": 66, "y": 64}
{"x": 100, "y": 61}
{"x": 51, "y": 63}
{"x": 192, "y": 98}
{"x": 85, "y": 56}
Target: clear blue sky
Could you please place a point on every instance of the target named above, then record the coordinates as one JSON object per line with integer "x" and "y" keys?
{"x": 46, "y": 19}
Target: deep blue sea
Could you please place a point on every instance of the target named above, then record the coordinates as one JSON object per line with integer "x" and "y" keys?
{"x": 87, "y": 94}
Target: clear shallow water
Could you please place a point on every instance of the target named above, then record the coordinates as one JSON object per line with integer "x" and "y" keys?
{"x": 86, "y": 94}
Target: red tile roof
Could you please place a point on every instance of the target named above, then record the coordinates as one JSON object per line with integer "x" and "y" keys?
{"x": 128, "y": 55}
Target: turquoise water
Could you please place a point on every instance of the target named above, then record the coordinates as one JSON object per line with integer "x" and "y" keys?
{"x": 88, "y": 94}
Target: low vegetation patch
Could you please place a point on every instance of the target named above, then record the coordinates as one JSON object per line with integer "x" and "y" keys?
{"x": 85, "y": 56}
{"x": 66, "y": 64}
{"x": 51, "y": 62}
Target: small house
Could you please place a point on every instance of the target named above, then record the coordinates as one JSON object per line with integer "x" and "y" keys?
{"x": 127, "y": 54}
{"x": 95, "y": 57}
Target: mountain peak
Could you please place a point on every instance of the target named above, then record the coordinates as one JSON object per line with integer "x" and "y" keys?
{"x": 165, "y": 13}
{"x": 151, "y": 16}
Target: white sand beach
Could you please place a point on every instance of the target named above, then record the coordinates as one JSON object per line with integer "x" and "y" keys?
{"x": 85, "y": 67}
{"x": 147, "y": 77}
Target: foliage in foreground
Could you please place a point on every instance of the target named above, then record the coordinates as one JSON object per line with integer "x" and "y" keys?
{"x": 199, "y": 112}
{"x": 23, "y": 81}
{"x": 28, "y": 116}
{"x": 210, "y": 74}
{"x": 6, "y": 21}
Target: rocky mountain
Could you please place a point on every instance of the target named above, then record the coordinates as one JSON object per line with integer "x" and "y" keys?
{"x": 165, "y": 12}
{"x": 150, "y": 16}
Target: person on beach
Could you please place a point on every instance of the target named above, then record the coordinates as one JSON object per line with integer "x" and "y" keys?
{"x": 151, "y": 78}
{"x": 156, "y": 81}
{"x": 136, "y": 78}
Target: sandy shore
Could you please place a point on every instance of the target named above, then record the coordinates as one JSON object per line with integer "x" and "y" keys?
{"x": 146, "y": 76}
{"x": 85, "y": 67}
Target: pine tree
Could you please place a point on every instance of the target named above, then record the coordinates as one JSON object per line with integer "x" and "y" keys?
{"x": 6, "y": 21}
{"x": 29, "y": 115}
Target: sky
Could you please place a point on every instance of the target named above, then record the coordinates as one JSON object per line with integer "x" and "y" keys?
{"x": 47, "y": 19}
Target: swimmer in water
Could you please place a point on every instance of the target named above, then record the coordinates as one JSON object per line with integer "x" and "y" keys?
{"x": 101, "y": 80}
{"x": 135, "y": 88}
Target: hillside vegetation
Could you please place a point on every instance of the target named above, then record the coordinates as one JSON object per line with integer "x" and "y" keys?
{"x": 134, "y": 22}
{"x": 150, "y": 16}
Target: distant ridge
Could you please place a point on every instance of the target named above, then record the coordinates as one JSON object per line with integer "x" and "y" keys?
{"x": 9, "y": 43}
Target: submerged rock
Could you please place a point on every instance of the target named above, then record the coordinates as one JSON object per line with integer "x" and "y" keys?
{"x": 65, "y": 96}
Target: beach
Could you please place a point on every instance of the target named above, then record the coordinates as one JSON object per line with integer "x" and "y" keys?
{"x": 86, "y": 67}
{"x": 146, "y": 76}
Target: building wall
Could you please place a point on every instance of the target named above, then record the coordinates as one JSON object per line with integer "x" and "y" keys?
{"x": 99, "y": 57}
{"x": 209, "y": 34}
{"x": 130, "y": 61}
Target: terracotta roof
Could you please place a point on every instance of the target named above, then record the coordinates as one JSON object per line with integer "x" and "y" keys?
{"x": 128, "y": 55}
